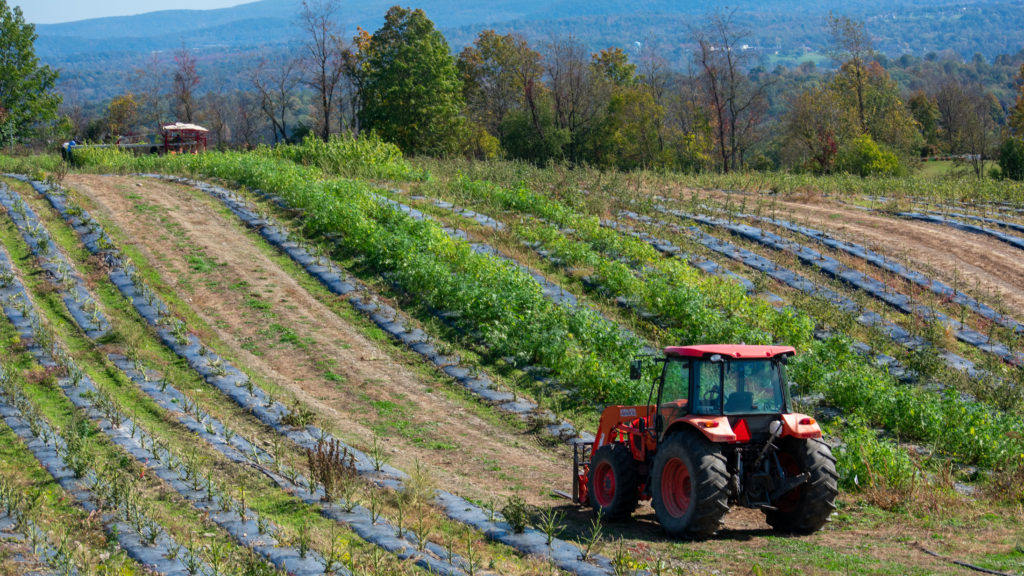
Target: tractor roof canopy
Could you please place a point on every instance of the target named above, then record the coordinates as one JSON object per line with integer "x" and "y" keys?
{"x": 737, "y": 351}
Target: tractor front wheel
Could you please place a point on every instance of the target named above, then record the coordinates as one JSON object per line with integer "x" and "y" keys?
{"x": 689, "y": 485}
{"x": 807, "y": 507}
{"x": 613, "y": 482}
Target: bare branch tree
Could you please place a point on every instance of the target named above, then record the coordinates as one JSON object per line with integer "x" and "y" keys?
{"x": 737, "y": 103}
{"x": 322, "y": 56}
{"x": 578, "y": 95}
{"x": 186, "y": 80}
{"x": 967, "y": 122}
{"x": 276, "y": 84}
{"x": 246, "y": 119}
{"x": 148, "y": 83}
{"x": 851, "y": 45}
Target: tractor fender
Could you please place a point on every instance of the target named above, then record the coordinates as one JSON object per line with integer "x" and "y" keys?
{"x": 800, "y": 426}
{"x": 714, "y": 428}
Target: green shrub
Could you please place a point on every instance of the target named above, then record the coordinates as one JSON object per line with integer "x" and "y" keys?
{"x": 345, "y": 155}
{"x": 866, "y": 461}
{"x": 864, "y": 157}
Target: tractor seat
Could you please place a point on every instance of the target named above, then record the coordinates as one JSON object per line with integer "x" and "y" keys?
{"x": 739, "y": 402}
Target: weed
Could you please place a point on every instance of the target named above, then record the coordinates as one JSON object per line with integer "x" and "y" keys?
{"x": 302, "y": 539}
{"x": 331, "y": 466}
{"x": 298, "y": 416}
{"x": 590, "y": 543}
{"x": 420, "y": 486}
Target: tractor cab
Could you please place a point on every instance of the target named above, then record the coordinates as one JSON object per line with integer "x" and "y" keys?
{"x": 740, "y": 383}
{"x": 718, "y": 431}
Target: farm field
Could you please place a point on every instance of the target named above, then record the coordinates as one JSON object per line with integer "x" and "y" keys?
{"x": 326, "y": 358}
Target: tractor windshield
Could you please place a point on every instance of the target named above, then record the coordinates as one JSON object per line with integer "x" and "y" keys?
{"x": 739, "y": 387}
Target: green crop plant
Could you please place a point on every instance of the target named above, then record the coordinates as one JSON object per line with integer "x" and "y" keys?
{"x": 343, "y": 155}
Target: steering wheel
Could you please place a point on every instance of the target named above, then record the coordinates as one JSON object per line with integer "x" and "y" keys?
{"x": 711, "y": 397}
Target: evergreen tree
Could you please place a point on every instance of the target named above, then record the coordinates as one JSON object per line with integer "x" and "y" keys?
{"x": 411, "y": 90}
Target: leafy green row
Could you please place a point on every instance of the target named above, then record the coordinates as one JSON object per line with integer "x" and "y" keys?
{"x": 696, "y": 307}
{"x": 700, "y": 308}
{"x": 493, "y": 298}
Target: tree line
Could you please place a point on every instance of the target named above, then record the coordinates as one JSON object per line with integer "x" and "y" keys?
{"x": 720, "y": 109}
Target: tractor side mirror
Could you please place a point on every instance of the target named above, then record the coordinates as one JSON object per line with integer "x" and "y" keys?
{"x": 636, "y": 370}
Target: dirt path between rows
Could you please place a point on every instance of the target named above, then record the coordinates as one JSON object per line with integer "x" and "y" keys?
{"x": 984, "y": 267}
{"x": 286, "y": 336}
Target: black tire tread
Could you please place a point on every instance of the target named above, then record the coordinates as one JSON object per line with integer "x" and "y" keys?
{"x": 817, "y": 500}
{"x": 712, "y": 492}
{"x": 626, "y": 482}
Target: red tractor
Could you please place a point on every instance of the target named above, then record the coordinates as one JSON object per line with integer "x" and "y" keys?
{"x": 719, "y": 434}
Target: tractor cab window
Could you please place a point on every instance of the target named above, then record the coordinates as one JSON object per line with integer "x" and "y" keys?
{"x": 677, "y": 382}
{"x": 675, "y": 390}
{"x": 740, "y": 387}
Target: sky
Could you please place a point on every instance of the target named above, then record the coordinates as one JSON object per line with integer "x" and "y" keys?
{"x": 53, "y": 11}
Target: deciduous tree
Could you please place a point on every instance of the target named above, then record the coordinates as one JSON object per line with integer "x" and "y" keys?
{"x": 186, "y": 80}
{"x": 1016, "y": 119}
{"x": 412, "y": 94}
{"x": 852, "y": 46}
{"x": 27, "y": 96}
{"x": 322, "y": 57}
{"x": 737, "y": 103}
{"x": 121, "y": 114}
{"x": 500, "y": 74}
{"x": 579, "y": 92}
{"x": 815, "y": 124}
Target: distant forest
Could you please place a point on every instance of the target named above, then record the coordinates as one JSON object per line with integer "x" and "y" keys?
{"x": 707, "y": 92}
{"x": 99, "y": 58}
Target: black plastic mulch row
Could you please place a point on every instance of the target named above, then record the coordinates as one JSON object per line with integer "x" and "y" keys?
{"x": 46, "y": 452}
{"x": 900, "y": 270}
{"x": 863, "y": 282}
{"x": 76, "y": 296}
{"x": 1014, "y": 241}
{"x": 246, "y": 532}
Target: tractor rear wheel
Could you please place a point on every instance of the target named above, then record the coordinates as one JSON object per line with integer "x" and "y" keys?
{"x": 689, "y": 485}
{"x": 806, "y": 508}
{"x": 613, "y": 482}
